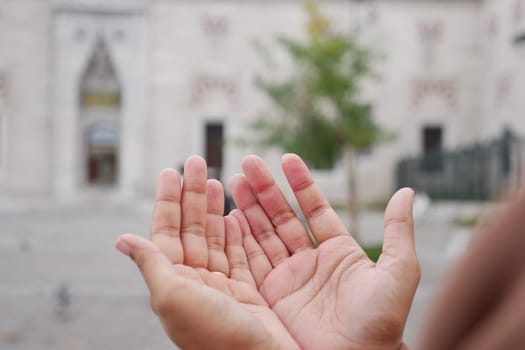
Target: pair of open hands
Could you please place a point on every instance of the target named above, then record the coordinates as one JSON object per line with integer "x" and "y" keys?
{"x": 255, "y": 280}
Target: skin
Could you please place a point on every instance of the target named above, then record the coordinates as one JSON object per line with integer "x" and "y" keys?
{"x": 280, "y": 292}
{"x": 485, "y": 290}
{"x": 332, "y": 296}
{"x": 198, "y": 307}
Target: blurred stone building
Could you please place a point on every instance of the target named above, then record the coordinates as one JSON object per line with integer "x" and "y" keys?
{"x": 98, "y": 96}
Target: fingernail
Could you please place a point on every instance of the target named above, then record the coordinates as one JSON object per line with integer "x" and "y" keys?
{"x": 123, "y": 247}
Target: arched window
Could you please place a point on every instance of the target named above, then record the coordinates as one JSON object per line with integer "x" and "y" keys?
{"x": 100, "y": 118}
{"x": 100, "y": 86}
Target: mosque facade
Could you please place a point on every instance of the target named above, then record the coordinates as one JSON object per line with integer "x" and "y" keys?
{"x": 96, "y": 97}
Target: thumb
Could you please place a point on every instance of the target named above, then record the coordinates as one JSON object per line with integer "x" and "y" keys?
{"x": 152, "y": 263}
{"x": 398, "y": 244}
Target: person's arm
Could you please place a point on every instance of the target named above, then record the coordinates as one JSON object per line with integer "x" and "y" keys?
{"x": 481, "y": 306}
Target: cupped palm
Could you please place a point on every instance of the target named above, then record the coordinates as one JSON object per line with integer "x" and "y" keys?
{"x": 331, "y": 296}
{"x": 195, "y": 267}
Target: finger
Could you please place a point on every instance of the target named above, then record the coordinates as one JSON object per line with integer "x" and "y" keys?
{"x": 321, "y": 218}
{"x": 165, "y": 224}
{"x": 238, "y": 263}
{"x": 184, "y": 304}
{"x": 259, "y": 264}
{"x": 194, "y": 201}
{"x": 260, "y": 226}
{"x": 286, "y": 223}
{"x": 399, "y": 250}
{"x": 215, "y": 235}
{"x": 151, "y": 261}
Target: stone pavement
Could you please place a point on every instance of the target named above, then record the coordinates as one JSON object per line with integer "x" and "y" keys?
{"x": 64, "y": 286}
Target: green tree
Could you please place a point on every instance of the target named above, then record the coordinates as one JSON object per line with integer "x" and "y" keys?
{"x": 317, "y": 110}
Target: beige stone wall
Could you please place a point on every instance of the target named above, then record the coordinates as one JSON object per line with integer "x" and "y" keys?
{"x": 185, "y": 63}
{"x": 202, "y": 67}
{"x": 25, "y": 64}
{"x": 187, "y": 49}
{"x": 430, "y": 76}
{"x": 503, "y": 69}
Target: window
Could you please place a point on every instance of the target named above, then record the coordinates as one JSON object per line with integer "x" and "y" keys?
{"x": 1, "y": 138}
{"x": 100, "y": 86}
{"x": 99, "y": 120}
{"x": 102, "y": 155}
{"x": 432, "y": 148}
{"x": 3, "y": 128}
{"x": 214, "y": 149}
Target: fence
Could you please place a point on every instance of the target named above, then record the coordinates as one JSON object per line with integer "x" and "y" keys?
{"x": 480, "y": 171}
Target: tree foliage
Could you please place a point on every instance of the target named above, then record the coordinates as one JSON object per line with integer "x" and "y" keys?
{"x": 318, "y": 112}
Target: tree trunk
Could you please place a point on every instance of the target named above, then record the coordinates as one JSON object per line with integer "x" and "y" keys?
{"x": 352, "y": 193}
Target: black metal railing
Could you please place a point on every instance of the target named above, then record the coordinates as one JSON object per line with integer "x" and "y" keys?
{"x": 479, "y": 171}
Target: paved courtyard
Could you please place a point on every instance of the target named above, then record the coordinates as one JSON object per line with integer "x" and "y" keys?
{"x": 64, "y": 286}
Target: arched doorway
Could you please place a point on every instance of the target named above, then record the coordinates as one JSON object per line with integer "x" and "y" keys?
{"x": 101, "y": 143}
{"x": 100, "y": 119}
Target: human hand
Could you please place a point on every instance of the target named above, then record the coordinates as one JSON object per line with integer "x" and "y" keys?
{"x": 333, "y": 296}
{"x": 195, "y": 268}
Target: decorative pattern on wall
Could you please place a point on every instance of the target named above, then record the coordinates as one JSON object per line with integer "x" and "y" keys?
{"x": 430, "y": 34}
{"x": 3, "y": 85}
{"x": 445, "y": 89}
{"x": 215, "y": 25}
{"x": 204, "y": 84}
{"x": 430, "y": 31}
{"x": 518, "y": 11}
{"x": 503, "y": 89}
{"x": 493, "y": 26}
